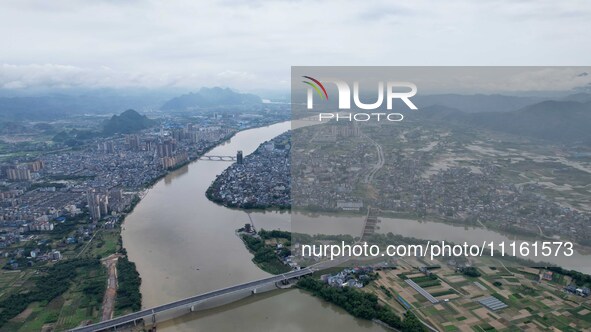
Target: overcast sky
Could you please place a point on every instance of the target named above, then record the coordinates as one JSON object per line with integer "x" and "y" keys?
{"x": 251, "y": 44}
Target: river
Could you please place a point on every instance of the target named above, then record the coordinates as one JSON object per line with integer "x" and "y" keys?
{"x": 183, "y": 245}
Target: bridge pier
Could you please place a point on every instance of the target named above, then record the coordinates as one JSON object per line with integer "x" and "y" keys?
{"x": 195, "y": 303}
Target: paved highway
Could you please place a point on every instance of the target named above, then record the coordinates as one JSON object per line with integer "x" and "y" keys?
{"x": 186, "y": 302}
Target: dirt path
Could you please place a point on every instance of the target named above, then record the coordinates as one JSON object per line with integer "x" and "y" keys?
{"x": 111, "y": 292}
{"x": 88, "y": 243}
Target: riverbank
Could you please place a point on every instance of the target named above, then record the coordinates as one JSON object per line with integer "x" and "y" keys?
{"x": 123, "y": 294}
{"x": 184, "y": 244}
{"x": 257, "y": 181}
{"x": 171, "y": 172}
{"x": 270, "y": 249}
{"x": 361, "y": 304}
{"x": 108, "y": 307}
{"x": 389, "y": 298}
{"x": 125, "y": 297}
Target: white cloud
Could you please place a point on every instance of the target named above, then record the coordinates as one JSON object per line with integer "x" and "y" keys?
{"x": 252, "y": 44}
{"x": 59, "y": 76}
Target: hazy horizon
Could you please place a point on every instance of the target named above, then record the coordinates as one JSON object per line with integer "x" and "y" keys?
{"x": 251, "y": 45}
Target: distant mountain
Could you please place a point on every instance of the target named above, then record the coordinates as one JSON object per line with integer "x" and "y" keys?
{"x": 581, "y": 97}
{"x": 563, "y": 121}
{"x": 476, "y": 103}
{"x": 55, "y": 106}
{"x": 438, "y": 113}
{"x": 554, "y": 120}
{"x": 35, "y": 108}
{"x": 128, "y": 122}
{"x": 211, "y": 97}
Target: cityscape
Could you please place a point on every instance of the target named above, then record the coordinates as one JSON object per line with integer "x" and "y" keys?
{"x": 64, "y": 208}
{"x": 64, "y": 203}
{"x": 290, "y": 166}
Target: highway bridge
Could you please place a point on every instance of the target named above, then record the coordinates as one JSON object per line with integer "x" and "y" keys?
{"x": 192, "y": 303}
{"x": 218, "y": 158}
{"x": 371, "y": 221}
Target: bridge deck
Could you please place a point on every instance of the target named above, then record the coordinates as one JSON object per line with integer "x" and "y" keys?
{"x": 188, "y": 301}
{"x": 218, "y": 158}
{"x": 371, "y": 221}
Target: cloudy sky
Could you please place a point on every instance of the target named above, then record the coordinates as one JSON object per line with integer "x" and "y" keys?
{"x": 251, "y": 44}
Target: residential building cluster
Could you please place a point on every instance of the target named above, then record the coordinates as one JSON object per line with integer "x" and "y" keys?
{"x": 328, "y": 167}
{"x": 351, "y": 277}
{"x": 460, "y": 194}
{"x": 580, "y": 291}
{"x": 54, "y": 198}
{"x": 103, "y": 177}
{"x": 24, "y": 171}
{"x": 260, "y": 180}
{"x": 331, "y": 170}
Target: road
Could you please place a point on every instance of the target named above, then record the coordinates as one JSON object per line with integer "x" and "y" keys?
{"x": 189, "y": 301}
{"x": 88, "y": 243}
{"x": 111, "y": 292}
{"x": 379, "y": 164}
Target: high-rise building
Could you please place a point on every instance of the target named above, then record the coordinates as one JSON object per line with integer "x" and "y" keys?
{"x": 106, "y": 147}
{"x": 195, "y": 136}
{"x": 133, "y": 142}
{"x": 166, "y": 148}
{"x": 22, "y": 171}
{"x": 239, "y": 157}
{"x": 168, "y": 162}
{"x": 94, "y": 209}
{"x": 150, "y": 144}
{"x": 35, "y": 166}
{"x": 98, "y": 204}
{"x": 18, "y": 174}
{"x": 178, "y": 134}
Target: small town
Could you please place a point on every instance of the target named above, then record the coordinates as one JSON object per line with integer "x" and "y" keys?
{"x": 451, "y": 181}
{"x": 62, "y": 209}
{"x": 259, "y": 181}
{"x": 102, "y": 181}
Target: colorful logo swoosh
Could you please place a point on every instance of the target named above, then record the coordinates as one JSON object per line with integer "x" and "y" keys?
{"x": 316, "y": 85}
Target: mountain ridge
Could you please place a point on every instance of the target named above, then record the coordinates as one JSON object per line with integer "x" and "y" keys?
{"x": 211, "y": 97}
{"x": 562, "y": 121}
{"x": 127, "y": 122}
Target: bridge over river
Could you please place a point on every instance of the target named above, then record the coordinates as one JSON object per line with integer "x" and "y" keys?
{"x": 195, "y": 303}
{"x": 218, "y": 158}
